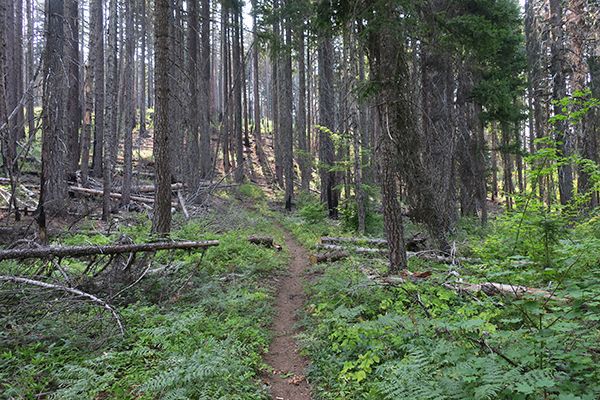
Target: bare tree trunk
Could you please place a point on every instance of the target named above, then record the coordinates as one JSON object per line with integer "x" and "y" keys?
{"x": 303, "y": 157}
{"x": 176, "y": 112}
{"x": 257, "y": 114}
{"x": 143, "y": 68}
{"x": 129, "y": 107}
{"x": 86, "y": 133}
{"x": 29, "y": 106}
{"x": 73, "y": 121}
{"x": 225, "y": 112}
{"x": 192, "y": 150}
{"x": 97, "y": 29}
{"x": 276, "y": 97}
{"x": 329, "y": 195}
{"x": 237, "y": 97}
{"x": 53, "y": 193}
{"x": 286, "y": 119}
{"x": 161, "y": 220}
{"x": 205, "y": 94}
{"x": 559, "y": 91}
{"x": 388, "y": 66}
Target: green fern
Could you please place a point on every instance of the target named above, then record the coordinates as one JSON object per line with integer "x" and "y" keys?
{"x": 80, "y": 382}
{"x": 204, "y": 374}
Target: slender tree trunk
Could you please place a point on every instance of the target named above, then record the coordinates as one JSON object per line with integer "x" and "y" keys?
{"x": 237, "y": 97}
{"x": 559, "y": 91}
{"x": 143, "y": 68}
{"x": 257, "y": 114}
{"x": 53, "y": 193}
{"x": 205, "y": 95}
{"x": 86, "y": 133}
{"x": 192, "y": 150}
{"x": 129, "y": 107}
{"x": 303, "y": 158}
{"x": 29, "y": 106}
{"x": 276, "y": 97}
{"x": 161, "y": 219}
{"x": 329, "y": 195}
{"x": 225, "y": 89}
{"x": 286, "y": 118}
{"x": 389, "y": 68}
{"x": 96, "y": 14}
{"x": 73, "y": 121}
{"x": 111, "y": 108}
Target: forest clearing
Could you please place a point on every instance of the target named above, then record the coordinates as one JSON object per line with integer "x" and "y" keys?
{"x": 295, "y": 200}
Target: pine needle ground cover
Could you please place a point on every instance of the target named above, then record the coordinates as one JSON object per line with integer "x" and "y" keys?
{"x": 372, "y": 336}
{"x": 195, "y": 326}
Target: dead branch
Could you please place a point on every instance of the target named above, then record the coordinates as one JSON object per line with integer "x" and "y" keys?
{"x": 26, "y": 281}
{"x": 79, "y": 251}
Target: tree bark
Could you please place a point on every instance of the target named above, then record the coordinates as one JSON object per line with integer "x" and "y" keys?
{"x": 303, "y": 143}
{"x": 286, "y": 118}
{"x": 559, "y": 91}
{"x": 329, "y": 195}
{"x": 73, "y": 120}
{"x": 81, "y": 251}
{"x": 257, "y": 114}
{"x": 142, "y": 68}
{"x": 161, "y": 219}
{"x": 192, "y": 176}
{"x": 205, "y": 95}
{"x": 97, "y": 32}
{"x": 53, "y": 189}
{"x": 111, "y": 108}
{"x": 129, "y": 108}
{"x": 237, "y": 96}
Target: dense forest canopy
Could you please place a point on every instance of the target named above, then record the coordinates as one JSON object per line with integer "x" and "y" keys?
{"x": 470, "y": 97}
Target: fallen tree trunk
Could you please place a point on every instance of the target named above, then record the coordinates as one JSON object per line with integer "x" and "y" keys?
{"x": 264, "y": 240}
{"x": 79, "y": 251}
{"x": 492, "y": 288}
{"x": 328, "y": 239}
{"x": 412, "y": 243}
{"x": 147, "y": 200}
{"x": 330, "y": 247}
{"x": 322, "y": 257}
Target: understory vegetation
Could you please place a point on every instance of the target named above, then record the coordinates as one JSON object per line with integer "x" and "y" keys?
{"x": 372, "y": 337}
{"x": 195, "y": 326}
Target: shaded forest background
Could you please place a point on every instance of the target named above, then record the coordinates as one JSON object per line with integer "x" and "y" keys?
{"x": 443, "y": 105}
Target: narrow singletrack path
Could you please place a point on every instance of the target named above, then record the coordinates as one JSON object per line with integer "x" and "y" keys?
{"x": 287, "y": 380}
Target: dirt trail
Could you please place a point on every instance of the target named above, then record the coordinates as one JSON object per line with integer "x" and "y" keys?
{"x": 287, "y": 380}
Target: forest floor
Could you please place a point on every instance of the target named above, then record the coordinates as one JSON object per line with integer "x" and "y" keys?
{"x": 287, "y": 367}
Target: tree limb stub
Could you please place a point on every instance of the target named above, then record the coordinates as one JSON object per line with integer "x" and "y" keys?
{"x": 78, "y": 251}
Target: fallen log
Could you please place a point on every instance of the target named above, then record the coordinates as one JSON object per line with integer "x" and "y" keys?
{"x": 151, "y": 188}
{"x": 79, "y": 251}
{"x": 492, "y": 288}
{"x": 330, "y": 239}
{"x": 411, "y": 244}
{"x": 147, "y": 200}
{"x": 322, "y": 257}
{"x": 330, "y": 247}
{"x": 264, "y": 240}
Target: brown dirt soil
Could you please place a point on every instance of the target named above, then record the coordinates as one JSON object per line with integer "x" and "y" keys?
{"x": 287, "y": 379}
